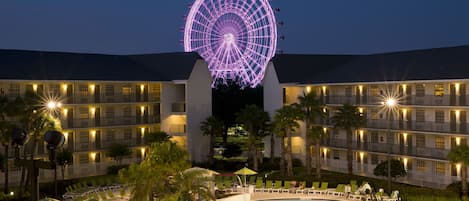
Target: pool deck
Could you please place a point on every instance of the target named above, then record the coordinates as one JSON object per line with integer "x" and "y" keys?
{"x": 264, "y": 196}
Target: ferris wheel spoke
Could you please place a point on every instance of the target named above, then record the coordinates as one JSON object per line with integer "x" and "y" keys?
{"x": 209, "y": 12}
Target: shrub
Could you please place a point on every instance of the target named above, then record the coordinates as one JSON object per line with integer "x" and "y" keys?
{"x": 232, "y": 150}
{"x": 114, "y": 169}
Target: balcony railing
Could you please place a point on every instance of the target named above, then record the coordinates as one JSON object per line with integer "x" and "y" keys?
{"x": 429, "y": 100}
{"x": 103, "y": 145}
{"x": 110, "y": 121}
{"x": 428, "y": 126}
{"x": 116, "y": 98}
{"x": 177, "y": 129}
{"x": 396, "y": 149}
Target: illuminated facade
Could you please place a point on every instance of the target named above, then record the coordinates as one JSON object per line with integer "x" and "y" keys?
{"x": 430, "y": 119}
{"x": 116, "y": 109}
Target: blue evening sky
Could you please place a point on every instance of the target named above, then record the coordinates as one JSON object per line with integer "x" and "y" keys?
{"x": 311, "y": 26}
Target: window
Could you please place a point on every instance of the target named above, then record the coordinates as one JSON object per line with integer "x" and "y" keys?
{"x": 420, "y": 165}
{"x": 110, "y": 135}
{"x": 374, "y": 114}
{"x": 84, "y": 113}
{"x": 127, "y": 133}
{"x": 439, "y": 116}
{"x": 336, "y": 154}
{"x": 84, "y": 137}
{"x": 374, "y": 159}
{"x": 420, "y": 90}
{"x": 420, "y": 141}
{"x": 440, "y": 142}
{"x": 374, "y": 137}
{"x": 54, "y": 90}
{"x": 155, "y": 90}
{"x": 374, "y": 91}
{"x": 420, "y": 115}
{"x": 439, "y": 90}
{"x": 126, "y": 91}
{"x": 439, "y": 168}
{"x": 348, "y": 91}
{"x": 127, "y": 112}
{"x": 390, "y": 138}
{"x": 84, "y": 158}
{"x": 83, "y": 90}
{"x": 14, "y": 90}
{"x": 110, "y": 112}
{"x": 109, "y": 90}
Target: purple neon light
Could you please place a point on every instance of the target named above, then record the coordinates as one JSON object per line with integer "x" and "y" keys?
{"x": 237, "y": 38}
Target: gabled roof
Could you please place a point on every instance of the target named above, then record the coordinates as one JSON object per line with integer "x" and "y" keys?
{"x": 41, "y": 65}
{"x": 429, "y": 64}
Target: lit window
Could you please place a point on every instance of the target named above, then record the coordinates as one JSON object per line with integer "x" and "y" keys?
{"x": 440, "y": 142}
{"x": 419, "y": 90}
{"x": 439, "y": 90}
{"x": 420, "y": 165}
{"x": 126, "y": 91}
{"x": 440, "y": 168}
{"x": 439, "y": 116}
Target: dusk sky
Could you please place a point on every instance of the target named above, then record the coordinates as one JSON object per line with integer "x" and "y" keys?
{"x": 311, "y": 26}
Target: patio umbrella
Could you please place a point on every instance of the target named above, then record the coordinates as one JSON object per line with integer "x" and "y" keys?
{"x": 245, "y": 171}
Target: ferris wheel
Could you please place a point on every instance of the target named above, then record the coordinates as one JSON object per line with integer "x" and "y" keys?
{"x": 237, "y": 38}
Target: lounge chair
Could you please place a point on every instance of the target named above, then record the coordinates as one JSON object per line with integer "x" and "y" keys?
{"x": 314, "y": 187}
{"x": 394, "y": 196}
{"x": 322, "y": 189}
{"x": 268, "y": 186}
{"x": 286, "y": 186}
{"x": 338, "y": 191}
{"x": 278, "y": 186}
{"x": 259, "y": 186}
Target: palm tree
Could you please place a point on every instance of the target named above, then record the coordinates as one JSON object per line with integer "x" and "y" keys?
{"x": 193, "y": 185}
{"x": 460, "y": 154}
{"x": 212, "y": 127}
{"x": 255, "y": 121}
{"x": 311, "y": 109}
{"x": 348, "y": 118}
{"x": 285, "y": 122}
{"x": 317, "y": 133}
{"x": 155, "y": 175}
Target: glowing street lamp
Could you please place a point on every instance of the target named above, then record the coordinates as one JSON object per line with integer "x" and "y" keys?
{"x": 391, "y": 104}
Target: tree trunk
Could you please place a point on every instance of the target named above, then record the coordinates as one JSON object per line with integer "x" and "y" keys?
{"x": 318, "y": 159}
{"x": 255, "y": 162}
{"x": 282, "y": 157}
{"x": 62, "y": 168}
{"x": 464, "y": 182}
{"x": 289, "y": 155}
{"x": 210, "y": 151}
{"x": 23, "y": 183}
{"x": 225, "y": 136}
{"x": 5, "y": 188}
{"x": 307, "y": 148}
{"x": 272, "y": 148}
{"x": 349, "y": 152}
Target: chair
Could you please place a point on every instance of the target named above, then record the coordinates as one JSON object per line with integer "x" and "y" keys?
{"x": 322, "y": 189}
{"x": 314, "y": 187}
{"x": 259, "y": 187}
{"x": 278, "y": 186}
{"x": 339, "y": 190}
{"x": 286, "y": 186}
{"x": 268, "y": 186}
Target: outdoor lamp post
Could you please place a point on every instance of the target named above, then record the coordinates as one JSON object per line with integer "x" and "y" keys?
{"x": 54, "y": 139}
{"x": 390, "y": 105}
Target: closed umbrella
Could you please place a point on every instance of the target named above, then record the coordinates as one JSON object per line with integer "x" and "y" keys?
{"x": 245, "y": 171}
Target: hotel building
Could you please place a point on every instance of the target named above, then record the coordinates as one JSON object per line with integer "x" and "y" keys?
{"x": 108, "y": 99}
{"x": 430, "y": 120}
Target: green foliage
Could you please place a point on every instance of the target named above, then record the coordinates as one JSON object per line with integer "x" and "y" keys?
{"x": 154, "y": 175}
{"x": 255, "y": 121}
{"x": 64, "y": 157}
{"x": 118, "y": 151}
{"x": 156, "y": 137}
{"x": 212, "y": 126}
{"x": 397, "y": 169}
{"x": 114, "y": 169}
{"x": 232, "y": 150}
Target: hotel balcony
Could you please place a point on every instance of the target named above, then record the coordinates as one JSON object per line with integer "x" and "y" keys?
{"x": 111, "y": 121}
{"x": 395, "y": 149}
{"x": 427, "y": 126}
{"x": 117, "y": 98}
{"x": 428, "y": 100}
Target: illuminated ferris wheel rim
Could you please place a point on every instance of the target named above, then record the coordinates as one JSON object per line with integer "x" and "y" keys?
{"x": 241, "y": 50}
